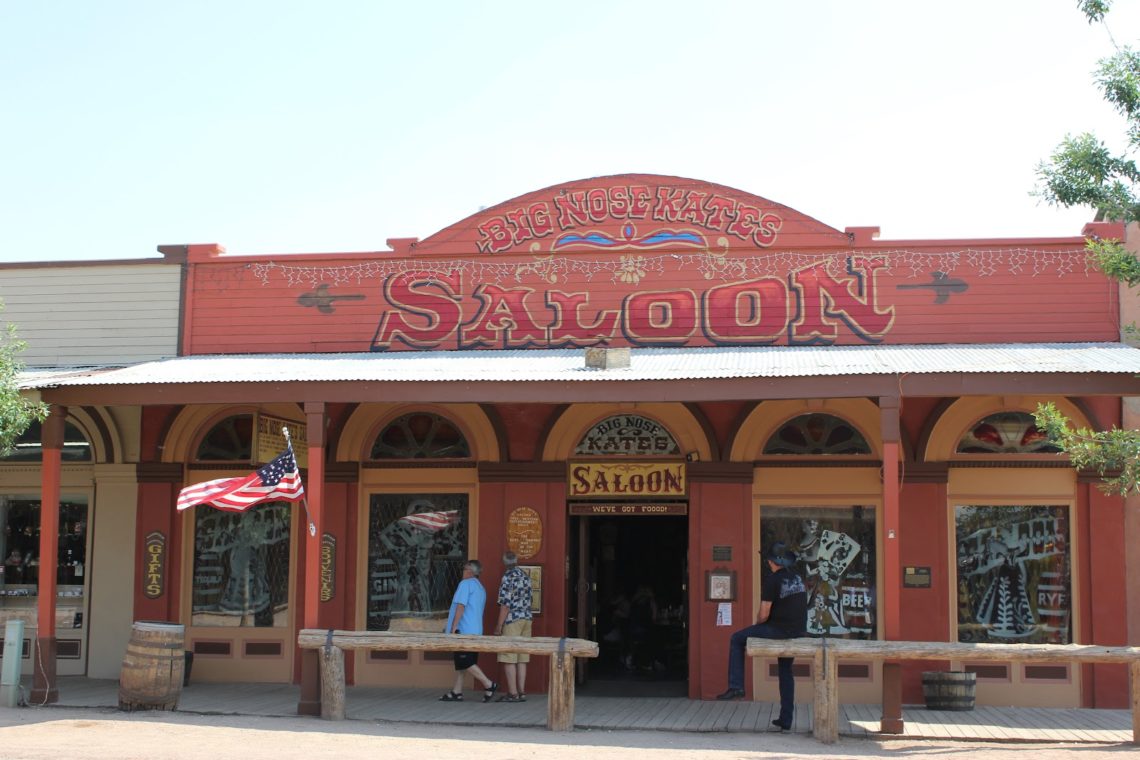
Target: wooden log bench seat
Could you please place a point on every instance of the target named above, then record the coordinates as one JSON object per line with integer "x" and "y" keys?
{"x": 330, "y": 646}
{"x": 826, "y": 654}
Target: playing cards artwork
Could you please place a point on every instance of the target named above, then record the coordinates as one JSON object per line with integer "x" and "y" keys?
{"x": 835, "y": 549}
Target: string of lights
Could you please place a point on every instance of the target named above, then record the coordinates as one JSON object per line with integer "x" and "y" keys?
{"x": 723, "y": 266}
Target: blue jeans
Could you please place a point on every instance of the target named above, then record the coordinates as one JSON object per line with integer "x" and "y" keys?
{"x": 736, "y": 665}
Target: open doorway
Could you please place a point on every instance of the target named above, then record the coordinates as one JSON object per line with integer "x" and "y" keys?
{"x": 635, "y": 603}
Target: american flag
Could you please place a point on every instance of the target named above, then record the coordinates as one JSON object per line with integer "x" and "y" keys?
{"x": 277, "y": 481}
{"x": 432, "y": 521}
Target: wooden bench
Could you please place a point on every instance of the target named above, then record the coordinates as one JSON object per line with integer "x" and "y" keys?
{"x": 826, "y": 654}
{"x": 331, "y": 645}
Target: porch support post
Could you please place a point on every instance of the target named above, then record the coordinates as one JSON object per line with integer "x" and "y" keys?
{"x": 891, "y": 721}
{"x": 310, "y": 703}
{"x": 44, "y": 686}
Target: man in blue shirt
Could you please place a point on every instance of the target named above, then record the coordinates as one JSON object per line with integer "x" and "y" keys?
{"x": 466, "y": 617}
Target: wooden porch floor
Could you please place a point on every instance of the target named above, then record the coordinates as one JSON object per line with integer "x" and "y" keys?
{"x": 1008, "y": 724}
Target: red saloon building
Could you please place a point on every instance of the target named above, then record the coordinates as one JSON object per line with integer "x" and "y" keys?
{"x": 635, "y": 383}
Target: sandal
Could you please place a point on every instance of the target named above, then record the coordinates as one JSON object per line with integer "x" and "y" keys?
{"x": 451, "y": 696}
{"x": 489, "y": 692}
{"x": 511, "y": 698}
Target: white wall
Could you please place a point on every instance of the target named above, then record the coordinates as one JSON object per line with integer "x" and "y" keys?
{"x": 95, "y": 314}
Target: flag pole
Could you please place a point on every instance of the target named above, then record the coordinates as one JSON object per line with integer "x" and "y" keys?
{"x": 304, "y": 498}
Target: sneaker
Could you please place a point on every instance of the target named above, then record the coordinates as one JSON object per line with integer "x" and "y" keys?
{"x": 781, "y": 727}
{"x": 730, "y": 693}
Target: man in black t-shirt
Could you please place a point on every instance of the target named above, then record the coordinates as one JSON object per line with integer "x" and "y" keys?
{"x": 783, "y": 615}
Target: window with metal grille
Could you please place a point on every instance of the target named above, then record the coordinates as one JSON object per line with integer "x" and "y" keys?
{"x": 817, "y": 434}
{"x": 417, "y": 545}
{"x": 241, "y": 567}
{"x": 230, "y": 440}
{"x": 420, "y": 435}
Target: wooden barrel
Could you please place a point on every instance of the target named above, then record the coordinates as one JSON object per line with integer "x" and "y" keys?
{"x": 949, "y": 689}
{"x": 151, "y": 678}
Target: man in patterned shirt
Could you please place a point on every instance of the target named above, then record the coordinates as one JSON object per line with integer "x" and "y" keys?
{"x": 514, "y": 620}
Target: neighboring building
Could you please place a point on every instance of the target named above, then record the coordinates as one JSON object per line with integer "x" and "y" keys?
{"x": 868, "y": 402}
{"x": 76, "y": 316}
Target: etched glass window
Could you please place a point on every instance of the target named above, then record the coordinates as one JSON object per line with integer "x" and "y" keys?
{"x": 29, "y": 446}
{"x": 835, "y": 555}
{"x": 1013, "y": 574}
{"x": 817, "y": 434}
{"x": 1006, "y": 433}
{"x": 417, "y": 545}
{"x": 420, "y": 435}
{"x": 628, "y": 435}
{"x": 231, "y": 440}
{"x": 241, "y": 566}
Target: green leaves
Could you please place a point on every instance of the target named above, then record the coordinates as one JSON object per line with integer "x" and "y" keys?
{"x": 1115, "y": 260}
{"x": 1083, "y": 171}
{"x": 16, "y": 411}
{"x": 1094, "y": 10}
{"x": 1119, "y": 80}
{"x": 1113, "y": 454}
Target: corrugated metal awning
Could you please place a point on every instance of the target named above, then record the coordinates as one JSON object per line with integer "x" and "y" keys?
{"x": 646, "y": 364}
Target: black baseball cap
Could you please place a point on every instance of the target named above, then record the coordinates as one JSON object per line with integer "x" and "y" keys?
{"x": 781, "y": 555}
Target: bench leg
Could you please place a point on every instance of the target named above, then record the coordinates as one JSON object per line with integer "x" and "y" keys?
{"x": 560, "y": 701}
{"x": 892, "y": 721}
{"x": 332, "y": 683}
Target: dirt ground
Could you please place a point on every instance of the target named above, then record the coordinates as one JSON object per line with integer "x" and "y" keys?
{"x": 51, "y": 733}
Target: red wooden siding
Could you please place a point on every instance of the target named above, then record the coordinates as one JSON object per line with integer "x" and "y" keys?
{"x": 681, "y": 273}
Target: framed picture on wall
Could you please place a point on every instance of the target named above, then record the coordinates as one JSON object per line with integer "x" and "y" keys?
{"x": 535, "y": 574}
{"x": 720, "y": 585}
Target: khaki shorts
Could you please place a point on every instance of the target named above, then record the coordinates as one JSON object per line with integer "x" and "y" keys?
{"x": 515, "y": 628}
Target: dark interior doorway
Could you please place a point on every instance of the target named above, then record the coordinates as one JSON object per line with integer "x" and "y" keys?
{"x": 636, "y": 604}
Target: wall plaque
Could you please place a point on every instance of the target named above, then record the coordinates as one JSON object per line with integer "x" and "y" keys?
{"x": 154, "y": 561}
{"x": 524, "y": 532}
{"x": 328, "y": 567}
{"x": 269, "y": 441}
{"x": 594, "y": 480}
{"x": 916, "y": 577}
{"x": 720, "y": 585}
{"x": 534, "y": 572}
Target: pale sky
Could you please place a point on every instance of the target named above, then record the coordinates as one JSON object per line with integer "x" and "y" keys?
{"x": 280, "y": 127}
